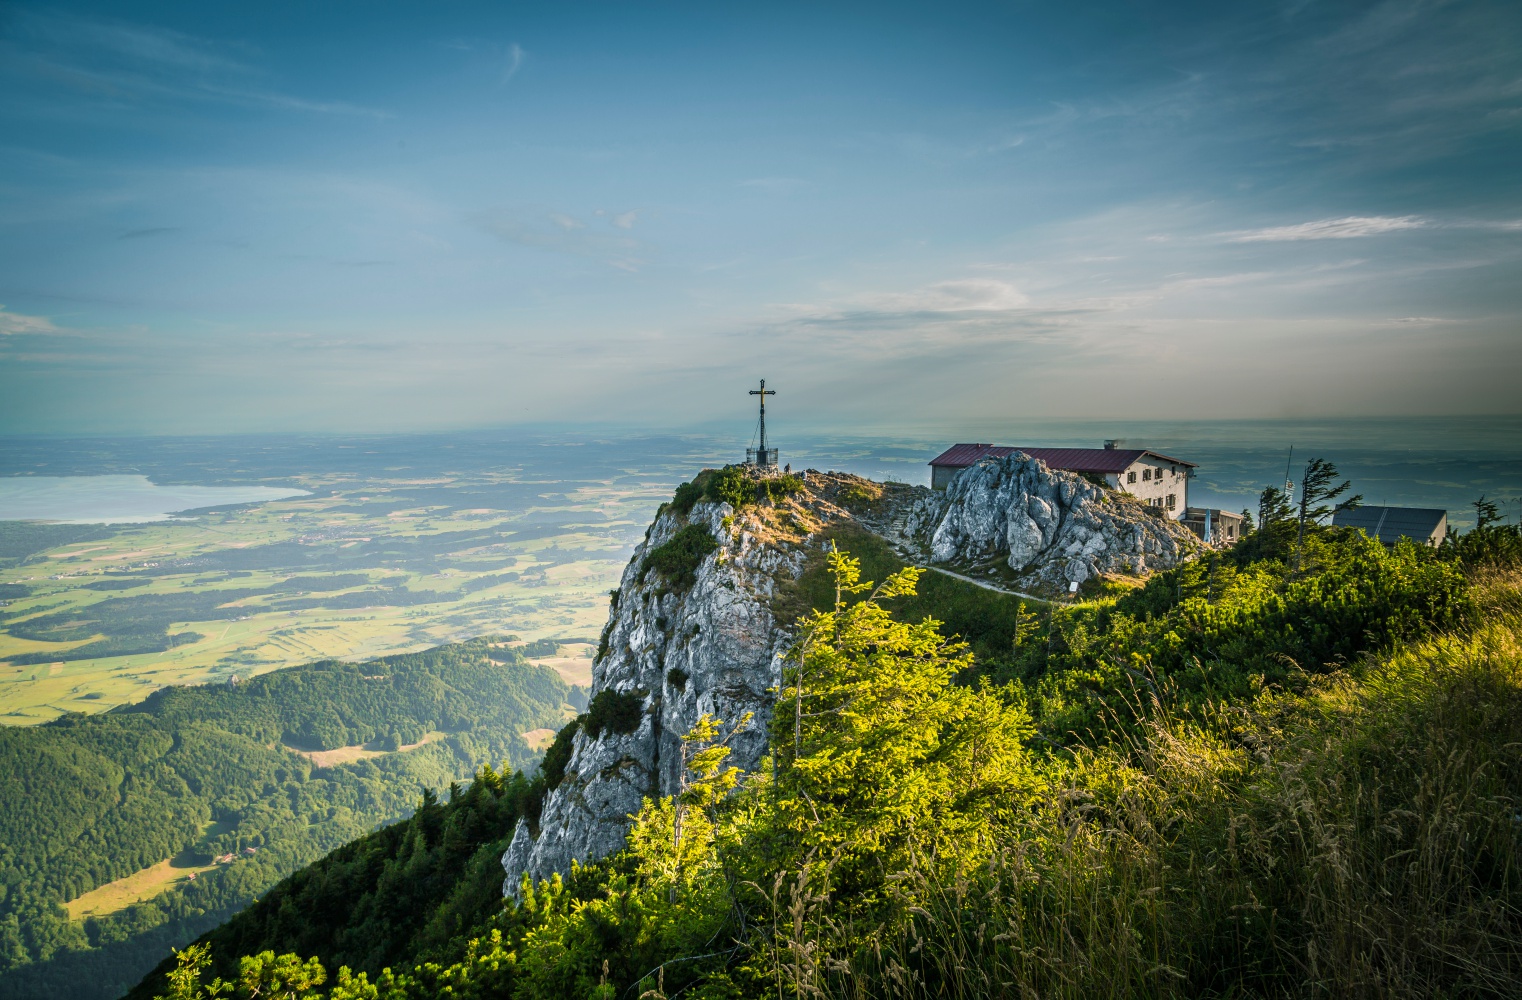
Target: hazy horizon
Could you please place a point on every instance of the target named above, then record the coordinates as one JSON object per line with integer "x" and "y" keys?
{"x": 1421, "y": 462}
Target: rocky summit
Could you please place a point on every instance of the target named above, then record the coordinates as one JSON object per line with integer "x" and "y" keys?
{"x": 1014, "y": 520}
{"x": 696, "y": 625}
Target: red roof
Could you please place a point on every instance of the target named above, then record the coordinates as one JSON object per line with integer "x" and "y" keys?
{"x": 1102, "y": 460}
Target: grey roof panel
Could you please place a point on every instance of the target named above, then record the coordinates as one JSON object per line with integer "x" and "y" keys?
{"x": 1392, "y": 523}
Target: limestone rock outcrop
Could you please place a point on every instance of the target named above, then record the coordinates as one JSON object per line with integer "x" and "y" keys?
{"x": 713, "y": 647}
{"x": 1035, "y": 528}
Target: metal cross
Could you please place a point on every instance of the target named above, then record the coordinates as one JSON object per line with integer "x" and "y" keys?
{"x": 763, "y": 392}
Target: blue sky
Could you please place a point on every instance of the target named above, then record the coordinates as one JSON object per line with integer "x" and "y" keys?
{"x": 362, "y": 216}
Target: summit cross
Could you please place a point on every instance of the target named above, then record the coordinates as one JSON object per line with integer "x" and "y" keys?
{"x": 763, "y": 392}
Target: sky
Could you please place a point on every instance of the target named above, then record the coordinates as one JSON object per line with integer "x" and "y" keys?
{"x": 248, "y": 217}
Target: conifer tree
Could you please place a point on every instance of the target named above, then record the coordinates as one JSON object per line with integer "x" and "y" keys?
{"x": 1317, "y": 491}
{"x": 1274, "y": 508}
{"x": 880, "y": 754}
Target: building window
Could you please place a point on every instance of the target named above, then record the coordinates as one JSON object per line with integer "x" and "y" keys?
{"x": 1172, "y": 500}
{"x": 1146, "y": 475}
{"x": 1131, "y": 476}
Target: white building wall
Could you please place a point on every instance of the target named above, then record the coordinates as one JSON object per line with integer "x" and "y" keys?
{"x": 1156, "y": 483}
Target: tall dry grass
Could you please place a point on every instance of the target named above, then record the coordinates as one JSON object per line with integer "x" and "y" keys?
{"x": 1361, "y": 838}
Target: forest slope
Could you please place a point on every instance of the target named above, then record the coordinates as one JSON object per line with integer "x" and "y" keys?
{"x": 198, "y": 774}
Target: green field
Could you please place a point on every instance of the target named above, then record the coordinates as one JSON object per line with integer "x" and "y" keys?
{"x": 353, "y": 572}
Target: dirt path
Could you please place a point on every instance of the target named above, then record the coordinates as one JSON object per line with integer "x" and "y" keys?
{"x": 986, "y": 586}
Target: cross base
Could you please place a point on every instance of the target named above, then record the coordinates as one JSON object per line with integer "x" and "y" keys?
{"x": 761, "y": 458}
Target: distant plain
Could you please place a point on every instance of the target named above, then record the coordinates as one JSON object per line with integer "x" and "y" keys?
{"x": 403, "y": 543}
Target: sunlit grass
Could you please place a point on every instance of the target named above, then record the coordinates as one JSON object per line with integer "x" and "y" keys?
{"x": 1358, "y": 839}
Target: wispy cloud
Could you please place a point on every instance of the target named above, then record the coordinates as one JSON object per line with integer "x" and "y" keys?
{"x": 960, "y": 296}
{"x": 134, "y": 43}
{"x": 563, "y": 234}
{"x": 287, "y": 102}
{"x": 12, "y": 324}
{"x": 490, "y": 59}
{"x": 513, "y": 62}
{"x": 115, "y": 62}
{"x": 138, "y": 234}
{"x": 618, "y": 220}
{"x": 1351, "y": 227}
{"x": 955, "y": 318}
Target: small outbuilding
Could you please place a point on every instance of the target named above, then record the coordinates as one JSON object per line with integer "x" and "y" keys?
{"x": 1154, "y": 478}
{"x": 1214, "y": 526}
{"x": 1426, "y": 525}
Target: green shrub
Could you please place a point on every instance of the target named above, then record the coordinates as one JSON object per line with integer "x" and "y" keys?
{"x": 603, "y": 640}
{"x": 552, "y": 766}
{"x": 1207, "y": 632}
{"x": 778, "y": 487}
{"x": 615, "y": 711}
{"x": 1491, "y": 544}
{"x": 686, "y": 497}
{"x": 735, "y": 485}
{"x": 678, "y": 560}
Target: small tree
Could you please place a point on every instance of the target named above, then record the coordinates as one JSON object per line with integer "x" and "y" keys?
{"x": 1318, "y": 489}
{"x": 880, "y": 755}
{"x": 1274, "y": 508}
{"x": 184, "y": 980}
{"x": 267, "y": 977}
{"x": 703, "y": 756}
{"x": 1027, "y": 624}
{"x": 1486, "y": 513}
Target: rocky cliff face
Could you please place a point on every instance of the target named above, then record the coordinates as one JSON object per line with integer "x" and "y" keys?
{"x": 1016, "y": 521}
{"x": 711, "y": 647}
{"x": 677, "y": 646}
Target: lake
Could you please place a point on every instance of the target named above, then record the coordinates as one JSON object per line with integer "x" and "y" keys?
{"x": 118, "y": 499}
